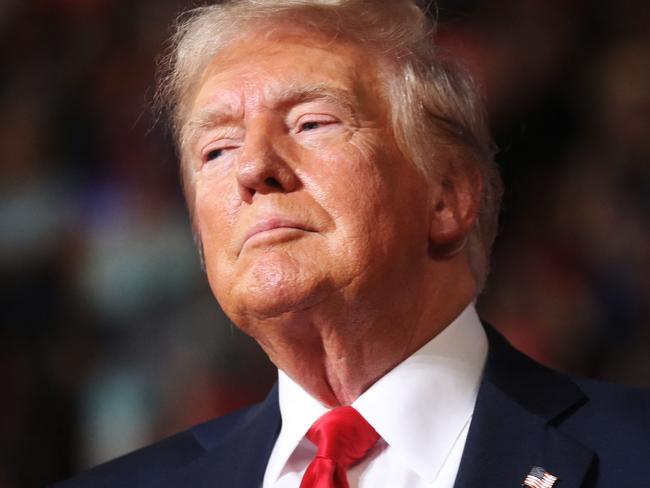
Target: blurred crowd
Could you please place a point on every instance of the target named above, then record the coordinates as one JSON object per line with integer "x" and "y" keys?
{"x": 110, "y": 338}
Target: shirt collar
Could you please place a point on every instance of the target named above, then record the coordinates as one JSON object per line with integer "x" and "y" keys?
{"x": 431, "y": 399}
{"x": 432, "y": 395}
{"x": 299, "y": 410}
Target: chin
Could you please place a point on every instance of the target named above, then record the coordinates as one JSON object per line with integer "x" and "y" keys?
{"x": 270, "y": 289}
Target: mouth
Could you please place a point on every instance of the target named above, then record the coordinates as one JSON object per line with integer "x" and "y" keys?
{"x": 273, "y": 228}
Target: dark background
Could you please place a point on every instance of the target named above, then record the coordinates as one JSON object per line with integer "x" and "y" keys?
{"x": 110, "y": 338}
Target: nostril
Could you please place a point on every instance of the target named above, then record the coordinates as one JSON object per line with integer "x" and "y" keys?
{"x": 273, "y": 183}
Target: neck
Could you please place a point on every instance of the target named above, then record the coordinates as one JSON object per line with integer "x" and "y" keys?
{"x": 337, "y": 350}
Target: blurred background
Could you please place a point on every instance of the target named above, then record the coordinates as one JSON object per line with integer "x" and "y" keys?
{"x": 109, "y": 336}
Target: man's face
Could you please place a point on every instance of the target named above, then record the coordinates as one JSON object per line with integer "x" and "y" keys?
{"x": 299, "y": 192}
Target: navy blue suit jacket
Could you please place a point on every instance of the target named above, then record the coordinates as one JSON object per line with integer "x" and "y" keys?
{"x": 588, "y": 434}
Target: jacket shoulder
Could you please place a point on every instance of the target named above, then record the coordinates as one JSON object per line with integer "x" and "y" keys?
{"x": 615, "y": 423}
{"x": 612, "y": 410}
{"x": 152, "y": 464}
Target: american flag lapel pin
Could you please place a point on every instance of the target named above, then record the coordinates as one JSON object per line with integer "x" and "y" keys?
{"x": 538, "y": 477}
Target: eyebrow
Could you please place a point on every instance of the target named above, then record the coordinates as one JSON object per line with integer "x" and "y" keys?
{"x": 221, "y": 113}
{"x": 308, "y": 93}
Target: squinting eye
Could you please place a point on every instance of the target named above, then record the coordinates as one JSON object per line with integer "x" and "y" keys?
{"x": 310, "y": 126}
{"x": 213, "y": 154}
{"x": 314, "y": 122}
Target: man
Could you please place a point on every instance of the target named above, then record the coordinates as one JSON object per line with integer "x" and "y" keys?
{"x": 342, "y": 189}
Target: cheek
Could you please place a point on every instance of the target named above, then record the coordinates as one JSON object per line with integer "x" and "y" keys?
{"x": 214, "y": 221}
{"x": 350, "y": 186}
{"x": 379, "y": 199}
{"x": 344, "y": 178}
{"x": 364, "y": 198}
{"x": 215, "y": 209}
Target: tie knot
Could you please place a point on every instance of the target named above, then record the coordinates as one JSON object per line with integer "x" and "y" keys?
{"x": 343, "y": 436}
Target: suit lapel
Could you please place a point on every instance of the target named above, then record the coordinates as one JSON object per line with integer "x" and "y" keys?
{"x": 236, "y": 453}
{"x": 513, "y": 427}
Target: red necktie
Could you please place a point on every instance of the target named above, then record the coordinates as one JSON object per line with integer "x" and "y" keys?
{"x": 343, "y": 437}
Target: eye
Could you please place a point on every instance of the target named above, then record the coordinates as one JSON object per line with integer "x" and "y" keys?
{"x": 314, "y": 122}
{"x": 214, "y": 154}
{"x": 310, "y": 126}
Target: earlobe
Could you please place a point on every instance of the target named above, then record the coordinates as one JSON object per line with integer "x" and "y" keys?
{"x": 454, "y": 211}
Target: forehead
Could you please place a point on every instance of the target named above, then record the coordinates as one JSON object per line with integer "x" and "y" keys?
{"x": 267, "y": 68}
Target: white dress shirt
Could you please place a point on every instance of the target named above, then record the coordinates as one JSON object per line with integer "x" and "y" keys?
{"x": 421, "y": 409}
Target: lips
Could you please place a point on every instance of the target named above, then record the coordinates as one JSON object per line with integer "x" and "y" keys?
{"x": 271, "y": 223}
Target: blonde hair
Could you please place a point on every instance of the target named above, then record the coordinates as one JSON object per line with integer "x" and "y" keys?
{"x": 434, "y": 104}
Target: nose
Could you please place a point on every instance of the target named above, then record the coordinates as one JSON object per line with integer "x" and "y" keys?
{"x": 262, "y": 170}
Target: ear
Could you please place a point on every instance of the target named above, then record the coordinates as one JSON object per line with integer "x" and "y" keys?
{"x": 454, "y": 209}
